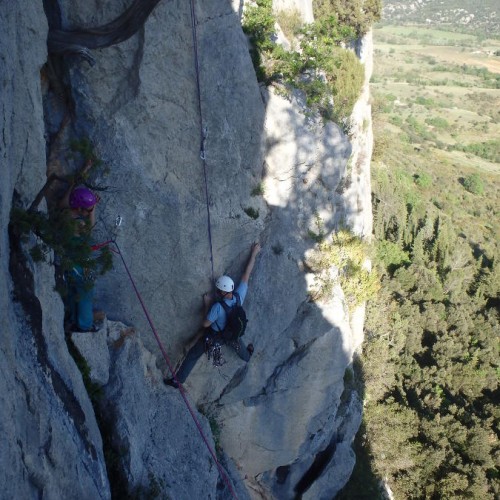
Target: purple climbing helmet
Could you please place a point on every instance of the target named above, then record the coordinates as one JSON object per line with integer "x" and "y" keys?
{"x": 82, "y": 197}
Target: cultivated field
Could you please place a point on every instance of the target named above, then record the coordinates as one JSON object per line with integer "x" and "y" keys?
{"x": 436, "y": 106}
{"x": 436, "y": 101}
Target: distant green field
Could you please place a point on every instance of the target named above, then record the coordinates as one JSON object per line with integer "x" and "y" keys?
{"x": 416, "y": 88}
{"x": 435, "y": 36}
{"x": 469, "y": 16}
{"x": 437, "y": 107}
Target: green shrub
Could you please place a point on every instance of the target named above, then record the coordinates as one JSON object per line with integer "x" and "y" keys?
{"x": 391, "y": 254}
{"x": 488, "y": 150}
{"x": 396, "y": 120}
{"x": 425, "y": 101}
{"x": 358, "y": 14}
{"x": 56, "y": 232}
{"x": 258, "y": 190}
{"x": 330, "y": 76}
{"x": 423, "y": 180}
{"x": 438, "y": 122}
{"x": 347, "y": 253}
{"x": 253, "y": 213}
{"x": 474, "y": 184}
{"x": 346, "y": 77}
{"x": 319, "y": 235}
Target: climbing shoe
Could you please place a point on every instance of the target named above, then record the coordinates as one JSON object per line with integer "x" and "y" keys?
{"x": 171, "y": 382}
{"x": 250, "y": 349}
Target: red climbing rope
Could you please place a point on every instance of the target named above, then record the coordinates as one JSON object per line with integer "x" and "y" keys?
{"x": 98, "y": 246}
{"x": 170, "y": 367}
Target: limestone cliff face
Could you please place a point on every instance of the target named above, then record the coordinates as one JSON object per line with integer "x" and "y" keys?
{"x": 50, "y": 443}
{"x": 286, "y": 422}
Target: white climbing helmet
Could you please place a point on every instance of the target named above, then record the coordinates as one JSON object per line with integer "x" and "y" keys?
{"x": 225, "y": 284}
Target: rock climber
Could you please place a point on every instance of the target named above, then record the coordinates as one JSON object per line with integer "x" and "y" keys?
{"x": 81, "y": 203}
{"x": 215, "y": 320}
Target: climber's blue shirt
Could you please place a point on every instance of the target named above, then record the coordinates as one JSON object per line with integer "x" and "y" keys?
{"x": 217, "y": 315}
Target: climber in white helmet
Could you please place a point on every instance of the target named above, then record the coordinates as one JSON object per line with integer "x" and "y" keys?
{"x": 216, "y": 321}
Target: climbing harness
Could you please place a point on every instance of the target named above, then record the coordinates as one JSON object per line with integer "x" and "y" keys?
{"x": 213, "y": 349}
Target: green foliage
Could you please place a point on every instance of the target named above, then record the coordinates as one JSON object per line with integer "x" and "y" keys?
{"x": 330, "y": 76}
{"x": 438, "y": 122}
{"x": 347, "y": 254}
{"x": 430, "y": 357}
{"x": 258, "y": 23}
{"x": 391, "y": 255}
{"x": 474, "y": 184}
{"x": 428, "y": 102}
{"x": 358, "y": 14}
{"x": 489, "y": 79}
{"x": 319, "y": 235}
{"x": 423, "y": 180}
{"x": 56, "y": 233}
{"x": 430, "y": 361}
{"x": 253, "y": 213}
{"x": 258, "y": 190}
{"x": 417, "y": 131}
{"x": 86, "y": 149}
{"x": 94, "y": 390}
{"x": 489, "y": 150}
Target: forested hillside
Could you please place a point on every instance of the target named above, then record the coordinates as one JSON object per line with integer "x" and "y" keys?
{"x": 430, "y": 364}
{"x": 457, "y": 15}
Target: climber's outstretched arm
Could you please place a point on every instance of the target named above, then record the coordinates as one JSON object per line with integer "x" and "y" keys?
{"x": 251, "y": 262}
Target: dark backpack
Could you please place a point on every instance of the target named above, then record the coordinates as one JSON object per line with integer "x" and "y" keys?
{"x": 236, "y": 320}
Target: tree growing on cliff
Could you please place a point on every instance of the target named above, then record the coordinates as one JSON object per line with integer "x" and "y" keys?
{"x": 359, "y": 14}
{"x": 330, "y": 75}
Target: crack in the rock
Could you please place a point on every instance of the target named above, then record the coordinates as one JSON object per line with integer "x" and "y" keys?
{"x": 24, "y": 294}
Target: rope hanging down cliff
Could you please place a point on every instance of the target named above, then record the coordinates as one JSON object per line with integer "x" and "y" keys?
{"x": 203, "y": 133}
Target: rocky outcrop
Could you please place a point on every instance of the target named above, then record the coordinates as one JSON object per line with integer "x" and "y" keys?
{"x": 272, "y": 173}
{"x": 51, "y": 445}
{"x": 154, "y": 444}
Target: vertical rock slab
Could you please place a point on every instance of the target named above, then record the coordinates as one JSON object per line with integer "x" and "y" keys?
{"x": 51, "y": 445}
{"x": 139, "y": 104}
{"x": 155, "y": 442}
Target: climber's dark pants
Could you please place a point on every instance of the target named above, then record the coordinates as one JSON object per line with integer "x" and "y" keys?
{"x": 198, "y": 349}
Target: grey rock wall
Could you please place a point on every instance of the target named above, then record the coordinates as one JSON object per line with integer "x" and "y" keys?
{"x": 50, "y": 443}
{"x": 281, "y": 413}
{"x": 139, "y": 104}
{"x": 157, "y": 443}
